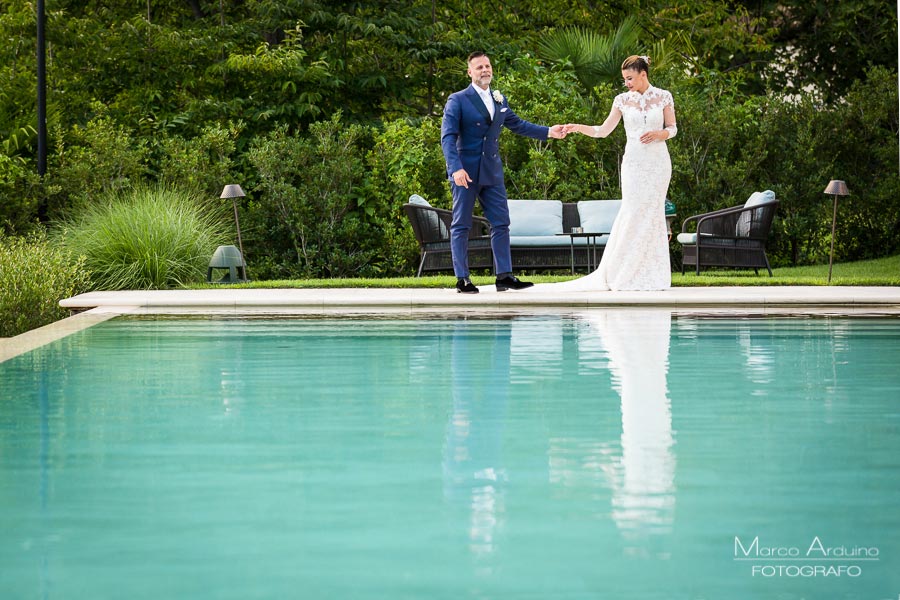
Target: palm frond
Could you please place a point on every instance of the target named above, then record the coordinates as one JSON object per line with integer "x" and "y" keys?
{"x": 594, "y": 58}
{"x": 597, "y": 58}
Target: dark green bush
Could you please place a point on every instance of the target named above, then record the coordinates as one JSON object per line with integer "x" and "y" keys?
{"x": 19, "y": 189}
{"x": 572, "y": 169}
{"x": 312, "y": 218}
{"x": 204, "y": 162}
{"x": 34, "y": 276}
{"x": 728, "y": 147}
{"x": 405, "y": 159}
{"x": 100, "y": 158}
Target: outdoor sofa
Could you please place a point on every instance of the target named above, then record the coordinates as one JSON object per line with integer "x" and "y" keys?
{"x": 535, "y": 228}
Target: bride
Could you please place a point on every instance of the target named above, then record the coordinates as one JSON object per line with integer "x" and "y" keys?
{"x": 637, "y": 251}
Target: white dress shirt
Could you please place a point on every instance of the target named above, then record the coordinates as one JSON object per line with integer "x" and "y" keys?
{"x": 486, "y": 98}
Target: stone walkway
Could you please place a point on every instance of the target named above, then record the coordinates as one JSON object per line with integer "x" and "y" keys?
{"x": 95, "y": 307}
{"x": 740, "y": 299}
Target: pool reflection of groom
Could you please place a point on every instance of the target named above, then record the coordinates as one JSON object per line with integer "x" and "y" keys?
{"x": 470, "y": 136}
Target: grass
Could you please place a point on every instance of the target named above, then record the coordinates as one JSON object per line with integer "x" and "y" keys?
{"x": 877, "y": 272}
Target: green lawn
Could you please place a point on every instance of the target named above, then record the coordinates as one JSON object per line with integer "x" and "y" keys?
{"x": 881, "y": 271}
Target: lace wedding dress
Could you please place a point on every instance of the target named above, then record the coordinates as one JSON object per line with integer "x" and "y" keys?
{"x": 637, "y": 251}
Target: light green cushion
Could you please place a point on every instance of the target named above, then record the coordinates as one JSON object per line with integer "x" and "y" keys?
{"x": 598, "y": 216}
{"x": 742, "y": 229}
{"x": 691, "y": 238}
{"x": 433, "y": 220}
{"x": 757, "y": 198}
{"x": 535, "y": 217}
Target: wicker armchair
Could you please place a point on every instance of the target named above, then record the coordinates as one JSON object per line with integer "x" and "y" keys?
{"x": 732, "y": 237}
{"x": 431, "y": 226}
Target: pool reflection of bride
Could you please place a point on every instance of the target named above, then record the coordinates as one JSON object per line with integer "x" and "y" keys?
{"x": 636, "y": 343}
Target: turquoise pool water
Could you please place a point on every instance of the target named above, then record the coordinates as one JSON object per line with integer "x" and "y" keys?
{"x": 605, "y": 454}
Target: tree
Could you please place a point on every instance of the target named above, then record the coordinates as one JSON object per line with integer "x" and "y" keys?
{"x": 828, "y": 45}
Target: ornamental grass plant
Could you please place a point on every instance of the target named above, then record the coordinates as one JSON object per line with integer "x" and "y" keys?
{"x": 34, "y": 277}
{"x": 146, "y": 237}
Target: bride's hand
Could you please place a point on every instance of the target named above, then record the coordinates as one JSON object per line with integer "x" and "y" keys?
{"x": 651, "y": 136}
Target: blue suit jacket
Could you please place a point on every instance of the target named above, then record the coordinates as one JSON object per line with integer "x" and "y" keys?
{"x": 470, "y": 139}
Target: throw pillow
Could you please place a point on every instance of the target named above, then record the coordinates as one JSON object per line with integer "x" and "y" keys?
{"x": 434, "y": 222}
{"x": 746, "y": 218}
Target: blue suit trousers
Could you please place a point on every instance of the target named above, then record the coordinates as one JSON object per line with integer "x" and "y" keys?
{"x": 496, "y": 210}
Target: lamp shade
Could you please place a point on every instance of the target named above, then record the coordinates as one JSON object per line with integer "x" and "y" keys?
{"x": 836, "y": 187}
{"x": 233, "y": 190}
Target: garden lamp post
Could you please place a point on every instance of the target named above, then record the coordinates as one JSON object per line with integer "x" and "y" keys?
{"x": 234, "y": 192}
{"x": 836, "y": 188}
{"x": 41, "y": 90}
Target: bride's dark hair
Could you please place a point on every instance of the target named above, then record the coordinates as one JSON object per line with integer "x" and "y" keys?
{"x": 637, "y": 63}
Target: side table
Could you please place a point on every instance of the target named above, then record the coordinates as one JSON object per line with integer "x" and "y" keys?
{"x": 591, "y": 237}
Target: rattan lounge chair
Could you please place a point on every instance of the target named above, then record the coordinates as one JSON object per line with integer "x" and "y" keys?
{"x": 732, "y": 237}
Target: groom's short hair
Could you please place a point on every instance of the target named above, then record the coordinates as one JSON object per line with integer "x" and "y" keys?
{"x": 476, "y": 54}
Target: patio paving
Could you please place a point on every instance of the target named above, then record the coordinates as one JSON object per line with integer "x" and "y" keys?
{"x": 94, "y": 307}
{"x": 740, "y": 299}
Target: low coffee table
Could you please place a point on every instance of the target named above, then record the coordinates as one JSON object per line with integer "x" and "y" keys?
{"x": 591, "y": 237}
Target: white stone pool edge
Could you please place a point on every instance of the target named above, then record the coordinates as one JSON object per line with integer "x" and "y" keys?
{"x": 96, "y": 307}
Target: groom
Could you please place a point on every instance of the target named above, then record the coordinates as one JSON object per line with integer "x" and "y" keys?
{"x": 470, "y": 135}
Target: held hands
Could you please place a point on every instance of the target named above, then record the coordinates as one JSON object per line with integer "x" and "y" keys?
{"x": 561, "y": 131}
{"x": 558, "y": 132}
{"x": 572, "y": 128}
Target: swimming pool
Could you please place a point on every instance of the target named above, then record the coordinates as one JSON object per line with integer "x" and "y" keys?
{"x": 593, "y": 454}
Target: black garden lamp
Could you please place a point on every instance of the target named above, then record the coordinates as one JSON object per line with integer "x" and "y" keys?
{"x": 234, "y": 192}
{"x": 836, "y": 188}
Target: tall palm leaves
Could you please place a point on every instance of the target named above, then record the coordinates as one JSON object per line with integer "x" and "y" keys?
{"x": 596, "y": 58}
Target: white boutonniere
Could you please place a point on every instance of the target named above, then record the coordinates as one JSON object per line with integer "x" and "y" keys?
{"x": 498, "y": 97}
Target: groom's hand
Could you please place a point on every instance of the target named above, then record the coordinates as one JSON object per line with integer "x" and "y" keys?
{"x": 558, "y": 132}
{"x": 461, "y": 178}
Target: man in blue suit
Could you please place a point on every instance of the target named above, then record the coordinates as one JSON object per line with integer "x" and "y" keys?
{"x": 470, "y": 136}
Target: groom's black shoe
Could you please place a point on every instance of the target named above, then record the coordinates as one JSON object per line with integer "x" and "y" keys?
{"x": 511, "y": 283}
{"x": 464, "y": 285}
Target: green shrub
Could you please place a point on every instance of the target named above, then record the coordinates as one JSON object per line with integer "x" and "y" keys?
{"x": 315, "y": 220}
{"x": 99, "y": 158}
{"x": 405, "y": 159}
{"x": 34, "y": 277}
{"x": 145, "y": 238}
{"x": 18, "y": 197}
{"x": 203, "y": 163}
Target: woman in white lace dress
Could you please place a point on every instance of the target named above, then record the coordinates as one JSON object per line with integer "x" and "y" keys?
{"x": 637, "y": 251}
